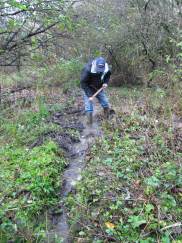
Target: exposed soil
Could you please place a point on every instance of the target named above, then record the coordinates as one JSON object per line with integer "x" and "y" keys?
{"x": 76, "y": 152}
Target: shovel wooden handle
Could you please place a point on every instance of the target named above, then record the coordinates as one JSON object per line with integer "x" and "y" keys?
{"x": 98, "y": 91}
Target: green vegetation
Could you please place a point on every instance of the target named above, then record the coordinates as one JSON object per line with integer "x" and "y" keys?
{"x": 64, "y": 73}
{"x": 30, "y": 177}
{"x": 131, "y": 187}
{"x": 30, "y": 182}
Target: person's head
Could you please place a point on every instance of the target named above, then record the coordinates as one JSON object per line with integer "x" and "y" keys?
{"x": 100, "y": 64}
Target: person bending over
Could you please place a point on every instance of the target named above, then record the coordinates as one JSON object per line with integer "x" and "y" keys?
{"x": 95, "y": 74}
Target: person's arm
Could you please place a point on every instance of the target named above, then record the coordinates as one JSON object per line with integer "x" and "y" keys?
{"x": 84, "y": 82}
{"x": 106, "y": 79}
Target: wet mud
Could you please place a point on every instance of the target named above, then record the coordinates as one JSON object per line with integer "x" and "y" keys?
{"x": 75, "y": 149}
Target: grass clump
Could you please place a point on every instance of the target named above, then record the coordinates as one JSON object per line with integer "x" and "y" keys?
{"x": 30, "y": 182}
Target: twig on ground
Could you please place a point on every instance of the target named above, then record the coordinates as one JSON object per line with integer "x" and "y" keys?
{"x": 172, "y": 226}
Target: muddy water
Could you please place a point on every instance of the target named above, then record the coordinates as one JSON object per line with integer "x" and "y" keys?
{"x": 73, "y": 173}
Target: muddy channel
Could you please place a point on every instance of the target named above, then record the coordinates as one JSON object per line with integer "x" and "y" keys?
{"x": 75, "y": 151}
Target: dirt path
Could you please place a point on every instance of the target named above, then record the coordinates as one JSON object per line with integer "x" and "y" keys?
{"x": 73, "y": 172}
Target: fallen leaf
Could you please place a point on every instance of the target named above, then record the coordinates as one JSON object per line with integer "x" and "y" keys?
{"x": 110, "y": 225}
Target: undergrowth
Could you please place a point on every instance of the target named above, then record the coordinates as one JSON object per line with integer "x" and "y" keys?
{"x": 131, "y": 187}
{"x": 65, "y": 73}
{"x": 30, "y": 178}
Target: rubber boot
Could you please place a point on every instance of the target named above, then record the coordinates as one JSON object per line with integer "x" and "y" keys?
{"x": 89, "y": 118}
{"x": 106, "y": 112}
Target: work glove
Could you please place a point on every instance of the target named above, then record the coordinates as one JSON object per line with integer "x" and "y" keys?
{"x": 104, "y": 86}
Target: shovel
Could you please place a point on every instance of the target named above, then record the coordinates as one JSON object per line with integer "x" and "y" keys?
{"x": 96, "y": 93}
{"x": 111, "y": 111}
